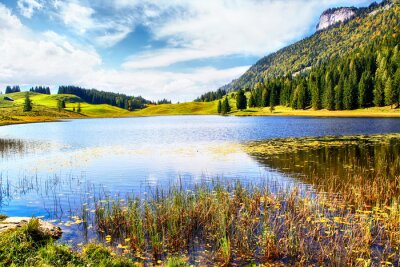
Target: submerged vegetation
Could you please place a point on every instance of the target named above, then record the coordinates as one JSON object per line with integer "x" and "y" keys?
{"x": 365, "y": 169}
{"x": 228, "y": 224}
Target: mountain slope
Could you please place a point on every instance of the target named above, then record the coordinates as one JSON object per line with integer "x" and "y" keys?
{"x": 365, "y": 28}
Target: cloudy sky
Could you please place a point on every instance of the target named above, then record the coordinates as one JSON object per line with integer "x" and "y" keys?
{"x": 175, "y": 49}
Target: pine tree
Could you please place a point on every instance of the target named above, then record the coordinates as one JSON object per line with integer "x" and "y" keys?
{"x": 396, "y": 86}
{"x": 389, "y": 95}
{"x": 79, "y": 108}
{"x": 365, "y": 90}
{"x": 265, "y": 98}
{"x": 380, "y": 79}
{"x": 339, "y": 94}
{"x": 347, "y": 95}
{"x": 252, "y": 101}
{"x": 302, "y": 96}
{"x": 61, "y": 104}
{"x": 226, "y": 108}
{"x": 272, "y": 101}
{"x": 27, "y": 103}
{"x": 241, "y": 101}
{"x": 378, "y": 93}
{"x": 329, "y": 92}
{"x": 219, "y": 107}
{"x": 315, "y": 92}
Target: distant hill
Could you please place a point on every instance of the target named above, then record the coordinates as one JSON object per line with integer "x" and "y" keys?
{"x": 93, "y": 96}
{"x": 360, "y": 28}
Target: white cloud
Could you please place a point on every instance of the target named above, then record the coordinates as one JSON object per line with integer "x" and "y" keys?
{"x": 77, "y": 16}
{"x": 83, "y": 20}
{"x": 39, "y": 58}
{"x": 159, "y": 84}
{"x": 28, "y": 7}
{"x": 207, "y": 29}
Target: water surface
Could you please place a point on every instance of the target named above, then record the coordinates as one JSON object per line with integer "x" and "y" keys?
{"x": 50, "y": 169}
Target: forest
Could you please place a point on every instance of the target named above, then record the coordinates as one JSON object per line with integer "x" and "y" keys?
{"x": 13, "y": 89}
{"x": 41, "y": 90}
{"x": 94, "y": 96}
{"x": 365, "y": 76}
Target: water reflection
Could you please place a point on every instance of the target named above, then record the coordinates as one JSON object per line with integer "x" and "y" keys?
{"x": 10, "y": 147}
{"x": 367, "y": 165}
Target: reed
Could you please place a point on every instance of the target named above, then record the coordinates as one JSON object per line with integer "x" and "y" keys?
{"x": 236, "y": 224}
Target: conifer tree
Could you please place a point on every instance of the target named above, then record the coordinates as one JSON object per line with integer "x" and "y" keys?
{"x": 329, "y": 92}
{"x": 27, "y": 103}
{"x": 79, "y": 108}
{"x": 241, "y": 101}
{"x": 219, "y": 109}
{"x": 252, "y": 101}
{"x": 365, "y": 90}
{"x": 315, "y": 92}
{"x": 61, "y": 104}
{"x": 272, "y": 101}
{"x": 380, "y": 79}
{"x": 396, "y": 86}
{"x": 226, "y": 108}
{"x": 347, "y": 95}
{"x": 265, "y": 98}
{"x": 389, "y": 95}
{"x": 302, "y": 96}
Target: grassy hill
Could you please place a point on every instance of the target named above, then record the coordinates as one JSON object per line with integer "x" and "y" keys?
{"x": 369, "y": 26}
{"x": 45, "y": 109}
{"x": 189, "y": 108}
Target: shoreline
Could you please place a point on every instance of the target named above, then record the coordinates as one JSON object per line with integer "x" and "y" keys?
{"x": 279, "y": 112}
{"x": 310, "y": 114}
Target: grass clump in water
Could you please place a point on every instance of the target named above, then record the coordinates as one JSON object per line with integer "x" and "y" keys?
{"x": 225, "y": 224}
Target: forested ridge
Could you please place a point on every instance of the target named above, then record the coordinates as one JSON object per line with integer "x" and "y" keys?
{"x": 94, "y": 96}
{"x": 351, "y": 65}
{"x": 347, "y": 66}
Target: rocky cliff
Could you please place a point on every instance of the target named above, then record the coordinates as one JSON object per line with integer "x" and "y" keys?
{"x": 333, "y": 16}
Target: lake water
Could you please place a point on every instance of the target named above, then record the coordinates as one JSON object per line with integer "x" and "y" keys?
{"x": 50, "y": 169}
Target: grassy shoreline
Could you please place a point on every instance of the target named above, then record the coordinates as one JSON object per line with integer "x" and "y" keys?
{"x": 279, "y": 112}
{"x": 45, "y": 110}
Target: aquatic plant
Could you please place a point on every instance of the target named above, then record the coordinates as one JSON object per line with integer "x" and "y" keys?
{"x": 232, "y": 223}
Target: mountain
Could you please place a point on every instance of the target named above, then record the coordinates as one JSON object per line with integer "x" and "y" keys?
{"x": 333, "y": 16}
{"x": 336, "y": 38}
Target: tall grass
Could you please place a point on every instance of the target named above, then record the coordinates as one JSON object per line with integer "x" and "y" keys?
{"x": 235, "y": 224}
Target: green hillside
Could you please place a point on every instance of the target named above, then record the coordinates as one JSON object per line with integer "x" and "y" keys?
{"x": 45, "y": 108}
{"x": 189, "y": 108}
{"x": 372, "y": 25}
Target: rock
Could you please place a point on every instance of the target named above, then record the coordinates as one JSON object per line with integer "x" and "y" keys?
{"x": 332, "y": 16}
{"x": 45, "y": 228}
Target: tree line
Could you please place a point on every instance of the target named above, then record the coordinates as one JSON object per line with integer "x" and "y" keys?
{"x": 212, "y": 96}
{"x": 40, "y": 90}
{"x": 366, "y": 77}
{"x": 94, "y": 96}
{"x": 13, "y": 89}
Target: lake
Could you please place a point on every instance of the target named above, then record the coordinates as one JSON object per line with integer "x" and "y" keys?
{"x": 51, "y": 169}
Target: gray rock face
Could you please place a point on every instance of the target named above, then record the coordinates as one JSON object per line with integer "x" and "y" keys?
{"x": 45, "y": 228}
{"x": 333, "y": 16}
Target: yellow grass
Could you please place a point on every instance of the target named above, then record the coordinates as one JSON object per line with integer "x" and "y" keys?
{"x": 188, "y": 108}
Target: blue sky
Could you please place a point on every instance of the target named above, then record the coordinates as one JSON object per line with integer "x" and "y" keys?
{"x": 175, "y": 49}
